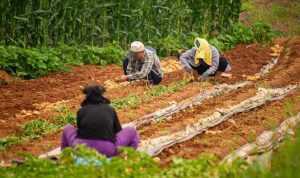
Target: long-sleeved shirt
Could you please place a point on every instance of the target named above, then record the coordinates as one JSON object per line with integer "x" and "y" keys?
{"x": 139, "y": 69}
{"x": 187, "y": 60}
{"x": 98, "y": 121}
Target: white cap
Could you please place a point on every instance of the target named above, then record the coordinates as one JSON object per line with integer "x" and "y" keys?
{"x": 137, "y": 46}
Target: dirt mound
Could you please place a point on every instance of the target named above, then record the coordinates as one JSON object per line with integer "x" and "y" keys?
{"x": 54, "y": 87}
{"x": 290, "y": 74}
{"x": 62, "y": 86}
{"x": 288, "y": 68}
{"x": 247, "y": 59}
{"x": 293, "y": 47}
{"x": 5, "y": 78}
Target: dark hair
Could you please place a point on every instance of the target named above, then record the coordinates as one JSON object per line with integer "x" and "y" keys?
{"x": 94, "y": 94}
{"x": 179, "y": 53}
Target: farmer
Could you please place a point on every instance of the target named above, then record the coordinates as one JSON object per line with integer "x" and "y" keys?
{"x": 141, "y": 63}
{"x": 98, "y": 125}
{"x": 204, "y": 60}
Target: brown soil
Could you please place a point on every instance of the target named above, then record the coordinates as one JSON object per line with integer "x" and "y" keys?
{"x": 231, "y": 136}
{"x": 64, "y": 86}
{"x": 251, "y": 59}
{"x": 128, "y": 114}
{"x": 206, "y": 108}
{"x": 26, "y": 99}
{"x": 288, "y": 70}
{"x": 54, "y": 87}
{"x": 245, "y": 127}
{"x": 5, "y": 78}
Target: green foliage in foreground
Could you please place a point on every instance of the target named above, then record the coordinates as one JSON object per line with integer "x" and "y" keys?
{"x": 285, "y": 163}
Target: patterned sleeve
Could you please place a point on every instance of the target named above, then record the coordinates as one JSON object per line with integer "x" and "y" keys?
{"x": 130, "y": 67}
{"x": 148, "y": 63}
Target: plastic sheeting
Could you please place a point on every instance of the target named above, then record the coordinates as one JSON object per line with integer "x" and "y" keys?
{"x": 166, "y": 113}
{"x": 267, "y": 141}
{"x": 156, "y": 145}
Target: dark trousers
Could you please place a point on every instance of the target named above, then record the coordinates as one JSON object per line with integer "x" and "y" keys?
{"x": 152, "y": 76}
{"x": 204, "y": 67}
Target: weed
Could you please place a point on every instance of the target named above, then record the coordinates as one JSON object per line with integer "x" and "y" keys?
{"x": 251, "y": 136}
{"x": 288, "y": 109}
{"x": 60, "y": 108}
{"x": 202, "y": 141}
{"x": 285, "y": 163}
{"x": 36, "y": 128}
{"x": 8, "y": 140}
{"x": 270, "y": 123}
{"x": 134, "y": 100}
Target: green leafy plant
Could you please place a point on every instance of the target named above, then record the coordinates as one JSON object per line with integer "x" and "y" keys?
{"x": 133, "y": 100}
{"x": 98, "y": 23}
{"x": 288, "y": 109}
{"x": 285, "y": 163}
{"x": 34, "y": 62}
{"x": 35, "y": 129}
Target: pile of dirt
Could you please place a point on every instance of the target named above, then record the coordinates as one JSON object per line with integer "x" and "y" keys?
{"x": 232, "y": 134}
{"x": 54, "y": 87}
{"x": 244, "y": 127}
{"x": 288, "y": 70}
{"x": 63, "y": 86}
{"x": 5, "y": 79}
{"x": 246, "y": 59}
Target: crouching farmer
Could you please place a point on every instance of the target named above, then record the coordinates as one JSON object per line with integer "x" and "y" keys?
{"x": 98, "y": 125}
{"x": 141, "y": 63}
{"x": 204, "y": 60}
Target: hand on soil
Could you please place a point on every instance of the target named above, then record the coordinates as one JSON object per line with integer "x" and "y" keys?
{"x": 225, "y": 75}
{"x": 121, "y": 78}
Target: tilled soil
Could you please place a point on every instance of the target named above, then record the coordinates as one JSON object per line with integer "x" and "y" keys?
{"x": 245, "y": 127}
{"x": 180, "y": 120}
{"x": 17, "y": 96}
{"x": 233, "y": 133}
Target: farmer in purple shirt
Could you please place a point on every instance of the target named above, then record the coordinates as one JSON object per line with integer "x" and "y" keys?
{"x": 98, "y": 125}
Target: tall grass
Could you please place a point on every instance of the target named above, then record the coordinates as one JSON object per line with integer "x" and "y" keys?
{"x": 98, "y": 22}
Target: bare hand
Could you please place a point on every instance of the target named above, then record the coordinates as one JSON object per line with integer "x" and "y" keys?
{"x": 121, "y": 78}
{"x": 196, "y": 75}
{"x": 187, "y": 75}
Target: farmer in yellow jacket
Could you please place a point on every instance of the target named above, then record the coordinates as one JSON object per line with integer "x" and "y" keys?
{"x": 204, "y": 60}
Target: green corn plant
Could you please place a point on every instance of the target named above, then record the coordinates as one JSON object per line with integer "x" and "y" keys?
{"x": 45, "y": 23}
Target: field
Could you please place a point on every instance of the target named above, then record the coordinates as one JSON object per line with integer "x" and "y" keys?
{"x": 217, "y": 127}
{"x": 44, "y": 98}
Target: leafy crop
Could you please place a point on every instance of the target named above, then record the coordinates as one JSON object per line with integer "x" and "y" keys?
{"x": 35, "y": 129}
{"x": 30, "y": 63}
{"x": 133, "y": 100}
{"x": 100, "y": 22}
{"x": 134, "y": 164}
